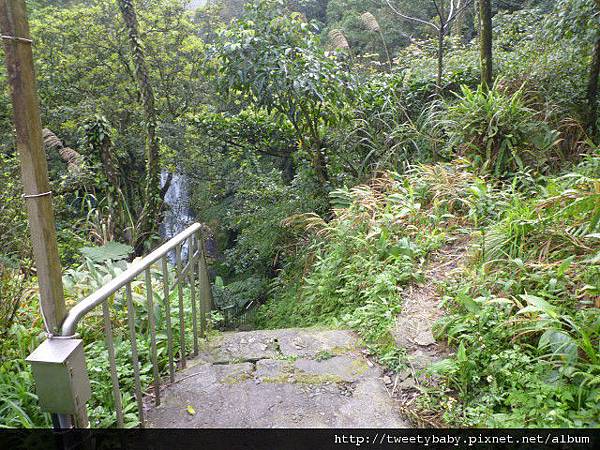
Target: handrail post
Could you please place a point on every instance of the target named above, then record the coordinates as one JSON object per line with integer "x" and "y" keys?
{"x": 168, "y": 323}
{"x": 134, "y": 353}
{"x": 114, "y": 377}
{"x": 152, "y": 327}
{"x": 179, "y": 273}
{"x": 205, "y": 289}
{"x": 192, "y": 280}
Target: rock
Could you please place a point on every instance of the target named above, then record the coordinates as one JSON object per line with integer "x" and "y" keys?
{"x": 404, "y": 374}
{"x": 310, "y": 343}
{"x": 244, "y": 346}
{"x": 272, "y": 368}
{"x": 347, "y": 368}
{"x": 424, "y": 338}
{"x": 419, "y": 360}
{"x": 387, "y": 380}
{"x": 407, "y": 385}
{"x": 370, "y": 364}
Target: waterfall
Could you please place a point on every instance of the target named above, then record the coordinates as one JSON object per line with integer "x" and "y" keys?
{"x": 178, "y": 215}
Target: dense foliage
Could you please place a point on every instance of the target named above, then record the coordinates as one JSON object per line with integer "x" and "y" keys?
{"x": 330, "y": 164}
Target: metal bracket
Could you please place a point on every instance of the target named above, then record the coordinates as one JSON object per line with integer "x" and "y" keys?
{"x": 18, "y": 39}
{"x": 43, "y": 194}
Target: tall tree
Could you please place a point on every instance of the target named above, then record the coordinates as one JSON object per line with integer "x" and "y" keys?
{"x": 485, "y": 27}
{"x": 446, "y": 11}
{"x": 592, "y": 90}
{"x": 149, "y": 217}
{"x": 274, "y": 60}
{"x": 577, "y": 21}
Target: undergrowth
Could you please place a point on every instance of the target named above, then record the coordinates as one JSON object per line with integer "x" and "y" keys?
{"x": 499, "y": 131}
{"x": 356, "y": 265}
{"x": 522, "y": 315}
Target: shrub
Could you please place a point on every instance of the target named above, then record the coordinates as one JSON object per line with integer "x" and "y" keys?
{"x": 238, "y": 294}
{"x": 498, "y": 131}
{"x": 388, "y": 129}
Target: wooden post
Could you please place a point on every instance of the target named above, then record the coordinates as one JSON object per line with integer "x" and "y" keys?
{"x": 34, "y": 168}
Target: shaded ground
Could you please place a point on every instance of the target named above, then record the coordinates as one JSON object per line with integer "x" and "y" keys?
{"x": 279, "y": 378}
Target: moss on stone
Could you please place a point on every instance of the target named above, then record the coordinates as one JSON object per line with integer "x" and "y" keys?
{"x": 236, "y": 378}
{"x": 301, "y": 377}
{"x": 359, "y": 366}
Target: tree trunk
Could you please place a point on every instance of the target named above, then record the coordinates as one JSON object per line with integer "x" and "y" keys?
{"x": 288, "y": 169}
{"x": 150, "y": 216}
{"x": 592, "y": 91}
{"x": 485, "y": 45}
{"x": 440, "y": 70}
{"x": 320, "y": 166}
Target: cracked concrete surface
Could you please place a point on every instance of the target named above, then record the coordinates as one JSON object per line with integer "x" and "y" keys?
{"x": 278, "y": 378}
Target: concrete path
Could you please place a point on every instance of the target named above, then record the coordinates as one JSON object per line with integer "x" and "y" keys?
{"x": 278, "y": 378}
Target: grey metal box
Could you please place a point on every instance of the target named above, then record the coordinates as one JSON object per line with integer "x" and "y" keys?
{"x": 60, "y": 374}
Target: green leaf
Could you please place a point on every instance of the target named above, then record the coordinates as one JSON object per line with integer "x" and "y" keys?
{"x": 560, "y": 344}
{"x": 403, "y": 248}
{"x": 538, "y": 304}
{"x": 470, "y": 305}
{"x": 111, "y": 251}
{"x": 564, "y": 266}
{"x": 445, "y": 365}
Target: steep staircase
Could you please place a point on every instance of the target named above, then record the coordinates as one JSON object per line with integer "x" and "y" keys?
{"x": 278, "y": 378}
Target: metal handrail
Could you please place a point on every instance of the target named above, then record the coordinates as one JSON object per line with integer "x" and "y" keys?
{"x": 193, "y": 274}
{"x": 90, "y": 302}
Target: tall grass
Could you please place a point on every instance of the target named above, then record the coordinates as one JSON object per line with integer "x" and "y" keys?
{"x": 524, "y": 315}
{"x": 355, "y": 266}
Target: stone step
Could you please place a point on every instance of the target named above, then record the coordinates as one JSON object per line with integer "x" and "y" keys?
{"x": 279, "y": 378}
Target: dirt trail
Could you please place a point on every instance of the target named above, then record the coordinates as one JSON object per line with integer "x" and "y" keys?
{"x": 413, "y": 330}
